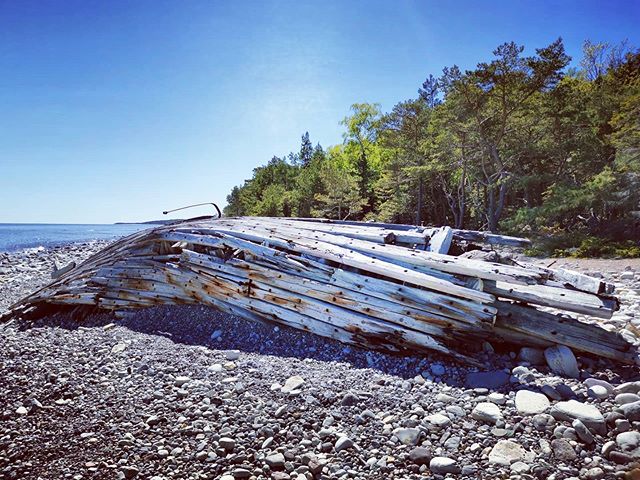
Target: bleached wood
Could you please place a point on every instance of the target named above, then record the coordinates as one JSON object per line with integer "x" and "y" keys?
{"x": 341, "y": 256}
{"x": 342, "y": 281}
{"x": 531, "y": 323}
{"x": 560, "y": 298}
{"x": 345, "y": 297}
{"x": 388, "y": 253}
{"x": 440, "y": 240}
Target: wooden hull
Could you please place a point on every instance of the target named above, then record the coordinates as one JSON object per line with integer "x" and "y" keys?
{"x": 381, "y": 286}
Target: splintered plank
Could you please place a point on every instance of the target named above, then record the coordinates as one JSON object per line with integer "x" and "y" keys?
{"x": 458, "y": 234}
{"x": 441, "y": 240}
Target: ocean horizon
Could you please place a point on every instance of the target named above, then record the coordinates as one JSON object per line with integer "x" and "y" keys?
{"x": 18, "y": 236}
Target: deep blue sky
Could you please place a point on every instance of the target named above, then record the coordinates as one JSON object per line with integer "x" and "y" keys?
{"x": 117, "y": 110}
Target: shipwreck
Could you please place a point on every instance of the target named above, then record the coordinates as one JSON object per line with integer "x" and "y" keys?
{"x": 391, "y": 287}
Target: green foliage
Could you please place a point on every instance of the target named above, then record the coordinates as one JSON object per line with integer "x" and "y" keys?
{"x": 535, "y": 252}
{"x": 273, "y": 202}
{"x": 601, "y": 247}
{"x": 340, "y": 198}
{"x": 517, "y": 144}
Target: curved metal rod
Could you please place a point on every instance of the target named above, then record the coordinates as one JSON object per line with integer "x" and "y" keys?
{"x": 196, "y": 205}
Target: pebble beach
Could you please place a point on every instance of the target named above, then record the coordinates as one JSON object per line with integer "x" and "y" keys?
{"x": 189, "y": 393}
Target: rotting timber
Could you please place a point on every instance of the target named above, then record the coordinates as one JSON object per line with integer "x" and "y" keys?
{"x": 379, "y": 286}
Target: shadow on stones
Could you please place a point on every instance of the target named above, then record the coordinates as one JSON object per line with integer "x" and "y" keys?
{"x": 206, "y": 327}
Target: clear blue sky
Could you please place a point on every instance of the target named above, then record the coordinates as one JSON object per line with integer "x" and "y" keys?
{"x": 117, "y": 110}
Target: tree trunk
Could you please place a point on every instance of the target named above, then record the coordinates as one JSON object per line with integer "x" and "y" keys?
{"x": 491, "y": 208}
{"x": 420, "y": 200}
{"x": 462, "y": 198}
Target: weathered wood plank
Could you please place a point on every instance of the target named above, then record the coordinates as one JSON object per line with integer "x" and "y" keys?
{"x": 529, "y": 322}
{"x": 383, "y": 308}
{"x": 458, "y": 234}
{"x": 491, "y": 238}
{"x": 560, "y": 298}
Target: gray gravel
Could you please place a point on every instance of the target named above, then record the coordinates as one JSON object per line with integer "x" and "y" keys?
{"x": 189, "y": 393}
{"x": 24, "y": 271}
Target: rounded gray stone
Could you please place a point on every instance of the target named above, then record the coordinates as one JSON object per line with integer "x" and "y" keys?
{"x": 443, "y": 465}
{"x": 562, "y": 361}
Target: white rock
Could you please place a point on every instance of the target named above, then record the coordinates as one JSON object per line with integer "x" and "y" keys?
{"x": 21, "y": 411}
{"x": 439, "y": 420}
{"x": 531, "y": 403}
{"x": 562, "y": 361}
{"x": 506, "y": 452}
{"x": 292, "y": 383}
{"x": 628, "y": 387}
{"x": 180, "y": 381}
{"x": 232, "y": 354}
{"x": 486, "y": 412}
{"x": 590, "y": 382}
{"x": 119, "y": 347}
{"x": 629, "y": 443}
{"x": 607, "y": 448}
{"x": 520, "y": 467}
{"x": 587, "y": 414}
{"x": 624, "y": 398}
{"x": 598, "y": 392}
{"x": 407, "y": 436}
{"x": 443, "y": 465}
{"x": 497, "y": 398}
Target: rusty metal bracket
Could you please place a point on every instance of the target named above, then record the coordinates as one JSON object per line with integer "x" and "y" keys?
{"x": 196, "y": 205}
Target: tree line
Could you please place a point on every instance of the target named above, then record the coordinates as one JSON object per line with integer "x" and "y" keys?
{"x": 519, "y": 144}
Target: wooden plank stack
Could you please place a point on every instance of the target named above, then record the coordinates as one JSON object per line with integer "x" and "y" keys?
{"x": 380, "y": 286}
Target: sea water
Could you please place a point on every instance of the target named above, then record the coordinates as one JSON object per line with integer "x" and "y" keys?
{"x": 16, "y": 236}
